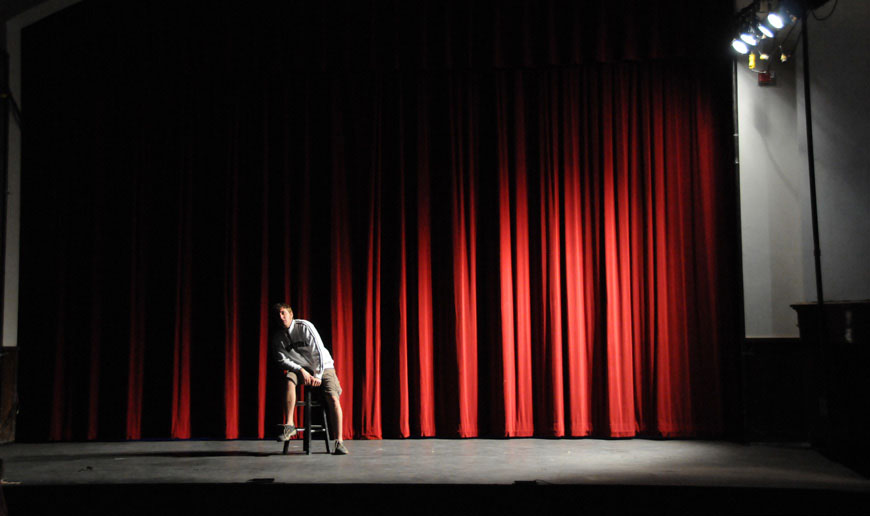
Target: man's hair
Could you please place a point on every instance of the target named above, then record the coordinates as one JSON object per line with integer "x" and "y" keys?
{"x": 277, "y": 307}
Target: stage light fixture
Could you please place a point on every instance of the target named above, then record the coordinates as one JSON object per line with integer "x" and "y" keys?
{"x": 739, "y": 46}
{"x": 776, "y": 20}
{"x": 789, "y": 11}
{"x": 749, "y": 37}
{"x": 764, "y": 29}
{"x": 757, "y": 22}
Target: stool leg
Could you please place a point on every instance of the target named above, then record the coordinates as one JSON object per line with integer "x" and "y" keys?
{"x": 306, "y": 439}
{"x": 326, "y": 435}
{"x": 286, "y": 447}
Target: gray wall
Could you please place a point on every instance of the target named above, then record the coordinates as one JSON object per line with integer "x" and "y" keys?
{"x": 16, "y": 14}
{"x": 775, "y": 207}
{"x": 773, "y": 187}
{"x": 11, "y": 8}
{"x": 840, "y": 77}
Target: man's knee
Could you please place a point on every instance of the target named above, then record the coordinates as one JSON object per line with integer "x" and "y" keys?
{"x": 291, "y": 390}
{"x": 292, "y": 377}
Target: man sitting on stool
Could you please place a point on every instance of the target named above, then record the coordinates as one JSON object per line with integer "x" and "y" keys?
{"x": 298, "y": 350}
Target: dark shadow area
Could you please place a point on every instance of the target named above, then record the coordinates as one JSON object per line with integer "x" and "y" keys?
{"x": 260, "y": 496}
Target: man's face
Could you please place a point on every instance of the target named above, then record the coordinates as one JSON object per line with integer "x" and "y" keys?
{"x": 286, "y": 317}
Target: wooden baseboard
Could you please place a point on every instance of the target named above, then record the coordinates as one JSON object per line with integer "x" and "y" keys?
{"x": 8, "y": 393}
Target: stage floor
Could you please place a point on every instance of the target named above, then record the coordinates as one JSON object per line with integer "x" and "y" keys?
{"x": 616, "y": 466}
{"x": 432, "y": 461}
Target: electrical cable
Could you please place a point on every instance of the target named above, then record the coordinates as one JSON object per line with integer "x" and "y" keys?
{"x": 784, "y": 44}
{"x": 834, "y": 8}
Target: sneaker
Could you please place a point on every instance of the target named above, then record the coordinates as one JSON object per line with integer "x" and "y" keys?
{"x": 287, "y": 432}
{"x": 340, "y": 449}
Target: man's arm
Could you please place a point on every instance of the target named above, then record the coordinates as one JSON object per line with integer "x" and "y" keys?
{"x": 309, "y": 379}
{"x": 312, "y": 341}
{"x": 281, "y": 357}
{"x": 279, "y": 354}
{"x": 314, "y": 336}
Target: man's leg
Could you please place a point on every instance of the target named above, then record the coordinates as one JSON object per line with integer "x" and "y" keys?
{"x": 290, "y": 408}
{"x": 332, "y": 390}
{"x": 337, "y": 417}
{"x": 288, "y": 430}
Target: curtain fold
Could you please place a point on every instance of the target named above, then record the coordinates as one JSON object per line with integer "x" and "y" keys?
{"x": 181, "y": 346}
{"x": 341, "y": 262}
{"x": 425, "y": 363}
{"x": 463, "y": 169}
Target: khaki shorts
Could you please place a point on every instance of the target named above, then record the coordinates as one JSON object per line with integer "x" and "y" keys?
{"x": 329, "y": 381}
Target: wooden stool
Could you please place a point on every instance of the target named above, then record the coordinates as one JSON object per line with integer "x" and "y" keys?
{"x": 312, "y": 400}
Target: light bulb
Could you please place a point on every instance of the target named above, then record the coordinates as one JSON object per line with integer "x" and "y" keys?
{"x": 749, "y": 38}
{"x": 739, "y": 46}
{"x": 765, "y": 29}
{"x": 776, "y": 20}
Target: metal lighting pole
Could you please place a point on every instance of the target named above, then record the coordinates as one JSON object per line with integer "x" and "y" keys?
{"x": 821, "y": 351}
{"x": 811, "y": 161}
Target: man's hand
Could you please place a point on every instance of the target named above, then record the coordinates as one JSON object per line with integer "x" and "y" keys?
{"x": 310, "y": 379}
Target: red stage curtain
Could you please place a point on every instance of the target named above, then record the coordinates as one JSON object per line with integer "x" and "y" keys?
{"x": 506, "y": 251}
